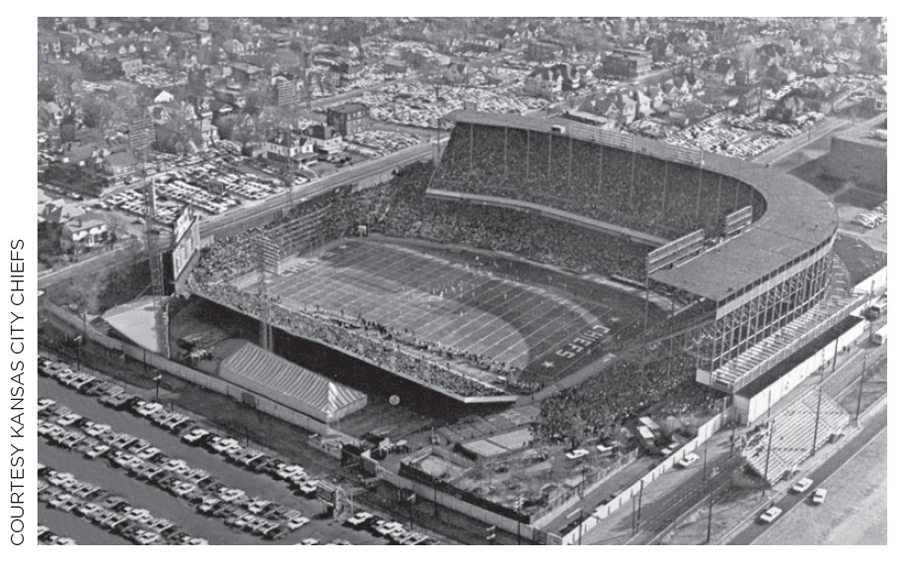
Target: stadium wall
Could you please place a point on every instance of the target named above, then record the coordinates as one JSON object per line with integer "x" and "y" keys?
{"x": 196, "y": 377}
{"x": 451, "y": 502}
{"x": 751, "y": 408}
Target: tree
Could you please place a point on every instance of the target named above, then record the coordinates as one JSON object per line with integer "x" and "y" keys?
{"x": 46, "y": 90}
{"x": 96, "y": 112}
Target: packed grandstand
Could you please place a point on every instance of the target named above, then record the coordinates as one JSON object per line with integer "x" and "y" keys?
{"x": 636, "y": 194}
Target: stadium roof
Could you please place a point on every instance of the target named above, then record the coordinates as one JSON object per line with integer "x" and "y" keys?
{"x": 798, "y": 217}
{"x": 286, "y": 383}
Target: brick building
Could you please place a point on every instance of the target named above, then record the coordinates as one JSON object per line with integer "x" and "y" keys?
{"x": 348, "y": 118}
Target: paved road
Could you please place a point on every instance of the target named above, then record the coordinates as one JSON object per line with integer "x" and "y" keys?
{"x": 873, "y": 427}
{"x": 662, "y": 514}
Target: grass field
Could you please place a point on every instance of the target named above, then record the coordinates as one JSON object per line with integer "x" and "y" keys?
{"x": 461, "y": 304}
{"x": 855, "y": 511}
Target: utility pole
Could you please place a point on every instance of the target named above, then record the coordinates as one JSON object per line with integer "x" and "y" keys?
{"x": 709, "y": 519}
{"x": 705, "y": 456}
{"x": 733, "y": 436}
{"x": 862, "y": 378}
{"x": 640, "y": 502}
{"x": 816, "y": 429}
{"x": 769, "y": 451}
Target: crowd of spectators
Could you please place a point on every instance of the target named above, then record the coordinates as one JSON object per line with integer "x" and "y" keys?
{"x": 368, "y": 340}
{"x": 609, "y": 184}
{"x": 400, "y": 208}
{"x": 620, "y": 393}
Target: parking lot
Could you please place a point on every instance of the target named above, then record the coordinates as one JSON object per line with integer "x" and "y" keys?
{"x": 136, "y": 447}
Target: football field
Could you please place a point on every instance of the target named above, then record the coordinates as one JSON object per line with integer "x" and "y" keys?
{"x": 463, "y": 305}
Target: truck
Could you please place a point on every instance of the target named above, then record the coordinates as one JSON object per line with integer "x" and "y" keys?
{"x": 880, "y": 337}
{"x": 876, "y": 311}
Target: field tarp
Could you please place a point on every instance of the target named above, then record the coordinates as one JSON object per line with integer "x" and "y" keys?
{"x": 268, "y": 375}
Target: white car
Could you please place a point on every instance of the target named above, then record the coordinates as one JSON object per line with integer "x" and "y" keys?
{"x": 296, "y": 522}
{"x": 576, "y": 454}
{"x": 819, "y": 495}
{"x": 770, "y": 514}
{"x": 802, "y": 485}
{"x": 688, "y": 460}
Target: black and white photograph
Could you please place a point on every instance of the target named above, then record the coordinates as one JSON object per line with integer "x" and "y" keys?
{"x": 450, "y": 281}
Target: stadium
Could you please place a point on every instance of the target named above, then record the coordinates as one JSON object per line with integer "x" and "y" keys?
{"x": 739, "y": 254}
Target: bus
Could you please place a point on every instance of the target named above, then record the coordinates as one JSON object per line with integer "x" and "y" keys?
{"x": 880, "y": 337}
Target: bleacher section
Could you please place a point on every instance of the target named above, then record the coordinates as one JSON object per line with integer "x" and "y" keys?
{"x": 615, "y": 185}
{"x": 755, "y": 361}
{"x": 743, "y": 369}
{"x": 793, "y": 430}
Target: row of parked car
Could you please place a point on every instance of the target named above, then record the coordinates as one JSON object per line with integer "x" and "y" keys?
{"x": 873, "y": 218}
{"x": 144, "y": 462}
{"x": 394, "y": 531}
{"x": 46, "y": 536}
{"x": 62, "y": 491}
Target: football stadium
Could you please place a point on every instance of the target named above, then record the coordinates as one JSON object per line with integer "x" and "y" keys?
{"x": 539, "y": 286}
{"x": 473, "y": 278}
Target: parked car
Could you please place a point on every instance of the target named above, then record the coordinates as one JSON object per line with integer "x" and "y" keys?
{"x": 688, "y": 460}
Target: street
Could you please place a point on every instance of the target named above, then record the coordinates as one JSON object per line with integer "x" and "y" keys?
{"x": 872, "y": 428}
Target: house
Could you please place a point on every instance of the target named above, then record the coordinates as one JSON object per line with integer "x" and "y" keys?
{"x": 548, "y": 82}
{"x": 544, "y": 51}
{"x": 81, "y": 155}
{"x": 604, "y": 107}
{"x": 876, "y": 95}
{"x": 720, "y": 72}
{"x": 627, "y": 63}
{"x": 52, "y": 111}
{"x": 456, "y": 72}
{"x": 234, "y": 47}
{"x": 771, "y": 53}
{"x": 348, "y": 118}
{"x": 245, "y": 72}
{"x": 394, "y": 66}
{"x": 749, "y": 103}
{"x": 287, "y": 91}
{"x": 325, "y": 138}
{"x": 162, "y": 97}
{"x": 788, "y": 108}
{"x": 58, "y": 212}
{"x": 127, "y": 66}
{"x": 644, "y": 104}
{"x": 288, "y": 148}
{"x": 542, "y": 82}
{"x": 779, "y": 75}
{"x": 659, "y": 47}
{"x": 119, "y": 165}
{"x": 83, "y": 234}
